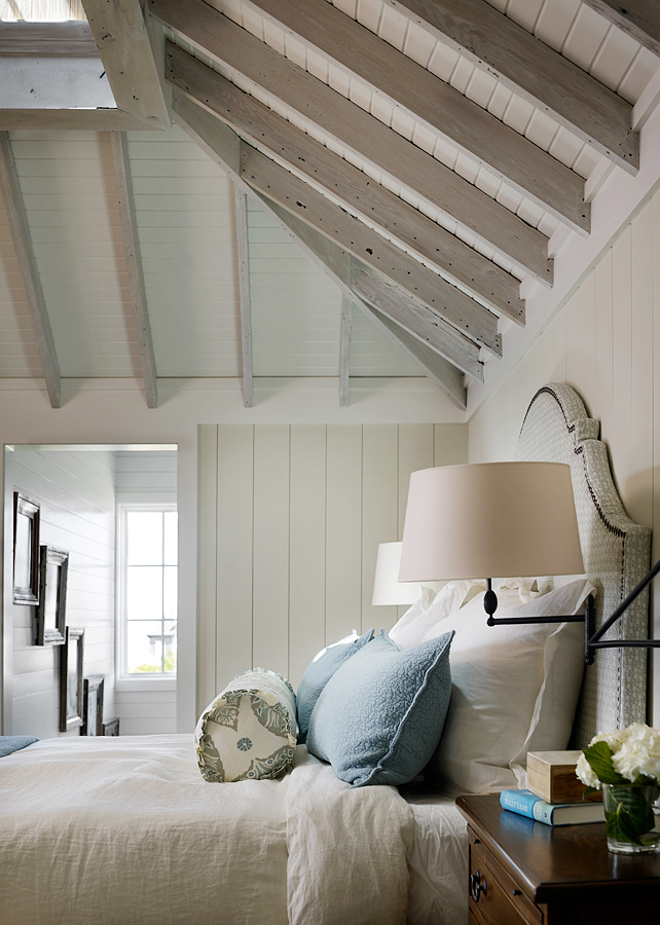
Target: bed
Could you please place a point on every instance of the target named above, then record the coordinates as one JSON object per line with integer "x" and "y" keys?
{"x": 126, "y": 831}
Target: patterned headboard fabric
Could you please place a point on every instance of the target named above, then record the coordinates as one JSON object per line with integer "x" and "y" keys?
{"x": 616, "y": 555}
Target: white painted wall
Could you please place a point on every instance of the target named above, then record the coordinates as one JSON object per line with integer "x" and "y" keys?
{"x": 114, "y": 411}
{"x": 290, "y": 520}
{"x": 605, "y": 342}
{"x": 145, "y": 705}
{"x": 75, "y": 491}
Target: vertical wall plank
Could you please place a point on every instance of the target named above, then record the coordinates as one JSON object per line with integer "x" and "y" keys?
{"x": 234, "y": 551}
{"x": 620, "y": 434}
{"x": 307, "y": 547}
{"x": 416, "y": 451}
{"x": 379, "y": 513}
{"x": 450, "y": 444}
{"x": 208, "y": 577}
{"x": 580, "y": 339}
{"x": 343, "y": 592}
{"x": 603, "y": 401}
{"x": 639, "y": 480}
{"x": 271, "y": 548}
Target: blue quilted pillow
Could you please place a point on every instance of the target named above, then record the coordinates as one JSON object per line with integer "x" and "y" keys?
{"x": 9, "y": 744}
{"x": 379, "y": 718}
{"x": 320, "y": 670}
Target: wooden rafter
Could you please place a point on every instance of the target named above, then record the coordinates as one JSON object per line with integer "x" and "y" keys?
{"x": 387, "y": 212}
{"x": 498, "y": 45}
{"x": 361, "y": 132}
{"x": 638, "y": 18}
{"x": 346, "y": 333}
{"x": 47, "y": 40}
{"x": 134, "y": 266}
{"x": 60, "y": 120}
{"x": 472, "y": 130}
{"x": 451, "y": 309}
{"x": 223, "y": 146}
{"x": 22, "y": 240}
{"x": 123, "y": 42}
{"x": 242, "y": 248}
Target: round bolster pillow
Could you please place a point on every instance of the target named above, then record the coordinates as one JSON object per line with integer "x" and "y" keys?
{"x": 248, "y": 732}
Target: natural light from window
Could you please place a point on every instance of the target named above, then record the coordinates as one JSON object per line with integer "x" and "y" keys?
{"x": 149, "y": 619}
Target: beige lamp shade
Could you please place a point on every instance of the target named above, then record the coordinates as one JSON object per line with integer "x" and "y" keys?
{"x": 387, "y": 587}
{"x": 491, "y": 520}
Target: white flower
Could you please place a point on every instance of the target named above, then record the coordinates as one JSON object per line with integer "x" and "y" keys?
{"x": 585, "y": 773}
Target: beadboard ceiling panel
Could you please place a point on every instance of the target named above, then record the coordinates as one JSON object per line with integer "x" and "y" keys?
{"x": 433, "y": 203}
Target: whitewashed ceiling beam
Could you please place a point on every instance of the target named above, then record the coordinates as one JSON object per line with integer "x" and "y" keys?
{"x": 243, "y": 253}
{"x": 637, "y": 18}
{"x": 342, "y": 267}
{"x": 47, "y": 40}
{"x": 468, "y": 127}
{"x": 520, "y": 61}
{"x": 22, "y": 240}
{"x": 386, "y": 211}
{"x": 123, "y": 42}
{"x": 87, "y": 120}
{"x": 345, "y": 335}
{"x": 361, "y": 132}
{"x": 223, "y": 146}
{"x": 453, "y": 309}
{"x": 448, "y": 379}
{"x": 134, "y": 265}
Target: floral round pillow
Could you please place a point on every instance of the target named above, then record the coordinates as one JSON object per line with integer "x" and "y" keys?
{"x": 248, "y": 732}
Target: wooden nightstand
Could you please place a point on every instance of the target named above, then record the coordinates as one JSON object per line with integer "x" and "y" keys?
{"x": 521, "y": 871}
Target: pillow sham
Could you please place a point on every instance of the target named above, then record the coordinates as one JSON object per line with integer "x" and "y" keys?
{"x": 514, "y": 689}
{"x": 248, "y": 732}
{"x": 409, "y": 631}
{"x": 9, "y": 744}
{"x": 380, "y": 716}
{"x": 319, "y": 672}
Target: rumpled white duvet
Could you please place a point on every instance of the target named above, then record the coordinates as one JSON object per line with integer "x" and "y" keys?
{"x": 125, "y": 831}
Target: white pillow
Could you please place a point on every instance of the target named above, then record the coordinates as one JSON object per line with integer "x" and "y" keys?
{"x": 514, "y": 689}
{"x": 248, "y": 732}
{"x": 418, "y": 620}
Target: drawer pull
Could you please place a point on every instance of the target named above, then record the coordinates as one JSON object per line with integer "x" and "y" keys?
{"x": 475, "y": 841}
{"x": 478, "y": 886}
{"x": 517, "y": 892}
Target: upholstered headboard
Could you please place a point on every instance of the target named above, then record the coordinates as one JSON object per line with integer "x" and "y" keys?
{"x": 616, "y": 555}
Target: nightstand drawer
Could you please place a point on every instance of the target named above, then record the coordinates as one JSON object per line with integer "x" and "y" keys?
{"x": 494, "y": 895}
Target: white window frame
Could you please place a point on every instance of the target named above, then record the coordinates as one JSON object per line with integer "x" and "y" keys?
{"x": 154, "y": 681}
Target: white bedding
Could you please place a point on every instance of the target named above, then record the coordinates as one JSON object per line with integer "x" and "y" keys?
{"x": 124, "y": 831}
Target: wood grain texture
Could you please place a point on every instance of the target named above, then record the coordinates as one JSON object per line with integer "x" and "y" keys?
{"x": 47, "y": 40}
{"x": 451, "y": 306}
{"x": 637, "y": 18}
{"x": 27, "y": 264}
{"x": 243, "y": 253}
{"x": 419, "y": 93}
{"x": 346, "y": 183}
{"x": 208, "y": 30}
{"x": 128, "y": 222}
{"x": 89, "y": 120}
{"x": 527, "y": 66}
{"x": 121, "y": 36}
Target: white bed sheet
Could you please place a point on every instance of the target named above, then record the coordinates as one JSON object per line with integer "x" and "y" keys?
{"x": 125, "y": 831}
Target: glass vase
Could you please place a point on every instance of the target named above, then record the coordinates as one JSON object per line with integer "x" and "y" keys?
{"x": 631, "y": 822}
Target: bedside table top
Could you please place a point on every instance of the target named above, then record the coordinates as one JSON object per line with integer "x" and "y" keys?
{"x": 556, "y": 860}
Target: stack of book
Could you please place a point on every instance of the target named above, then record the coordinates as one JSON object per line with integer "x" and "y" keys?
{"x": 556, "y": 796}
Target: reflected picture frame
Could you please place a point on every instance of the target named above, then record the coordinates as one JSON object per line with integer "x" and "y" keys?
{"x": 92, "y": 724}
{"x": 25, "y": 551}
{"x": 51, "y": 610}
{"x": 71, "y": 679}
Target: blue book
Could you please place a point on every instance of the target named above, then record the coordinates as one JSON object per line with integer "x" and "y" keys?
{"x": 526, "y": 803}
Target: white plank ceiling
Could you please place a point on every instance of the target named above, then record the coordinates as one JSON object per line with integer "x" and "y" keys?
{"x": 183, "y": 268}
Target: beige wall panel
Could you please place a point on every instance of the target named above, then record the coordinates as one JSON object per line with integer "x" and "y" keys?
{"x": 379, "y": 513}
{"x": 307, "y": 547}
{"x": 208, "y": 564}
{"x": 271, "y": 547}
{"x": 343, "y": 592}
{"x": 234, "y": 551}
{"x": 416, "y": 451}
{"x": 580, "y": 341}
{"x": 450, "y": 444}
{"x": 603, "y": 340}
{"x": 619, "y": 433}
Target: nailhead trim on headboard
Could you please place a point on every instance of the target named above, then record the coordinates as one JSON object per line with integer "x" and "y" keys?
{"x": 616, "y": 554}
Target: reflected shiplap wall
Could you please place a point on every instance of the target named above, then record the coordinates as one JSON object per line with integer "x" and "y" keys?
{"x": 290, "y": 518}
{"x": 605, "y": 343}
